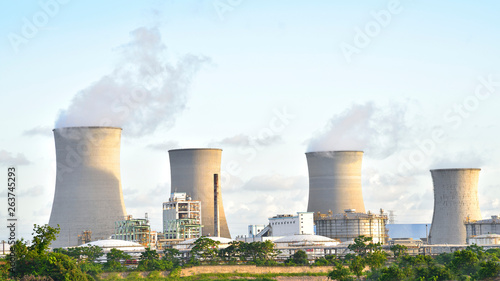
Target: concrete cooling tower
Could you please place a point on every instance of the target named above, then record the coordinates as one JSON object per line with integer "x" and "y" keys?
{"x": 455, "y": 201}
{"x": 192, "y": 171}
{"x": 88, "y": 194}
{"x": 335, "y": 181}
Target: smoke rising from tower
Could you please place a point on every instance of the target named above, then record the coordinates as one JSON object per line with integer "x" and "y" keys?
{"x": 142, "y": 93}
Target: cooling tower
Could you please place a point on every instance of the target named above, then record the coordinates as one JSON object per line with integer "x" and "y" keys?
{"x": 455, "y": 201}
{"x": 335, "y": 181}
{"x": 192, "y": 171}
{"x": 88, "y": 194}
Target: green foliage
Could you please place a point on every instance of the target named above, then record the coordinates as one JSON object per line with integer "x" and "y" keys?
{"x": 150, "y": 260}
{"x": 357, "y": 265}
{"x": 172, "y": 255}
{"x": 205, "y": 248}
{"x": 340, "y": 273}
{"x": 465, "y": 262}
{"x": 134, "y": 276}
{"x": 298, "y": 258}
{"x": 398, "y": 250}
{"x": 362, "y": 245}
{"x": 376, "y": 259}
{"x": 435, "y": 272}
{"x": 392, "y": 273}
{"x": 113, "y": 260}
{"x": 35, "y": 260}
{"x": 488, "y": 269}
{"x": 444, "y": 258}
{"x": 88, "y": 253}
{"x": 91, "y": 268}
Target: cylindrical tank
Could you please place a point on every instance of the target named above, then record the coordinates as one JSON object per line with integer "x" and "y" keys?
{"x": 192, "y": 171}
{"x": 88, "y": 193}
{"x": 455, "y": 201}
{"x": 335, "y": 181}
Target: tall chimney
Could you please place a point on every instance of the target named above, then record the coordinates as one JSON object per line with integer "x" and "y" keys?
{"x": 455, "y": 201}
{"x": 335, "y": 181}
{"x": 192, "y": 171}
{"x": 216, "y": 206}
{"x": 88, "y": 193}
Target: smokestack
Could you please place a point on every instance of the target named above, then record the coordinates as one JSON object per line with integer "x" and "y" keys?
{"x": 192, "y": 171}
{"x": 88, "y": 193}
{"x": 455, "y": 201}
{"x": 216, "y": 206}
{"x": 335, "y": 181}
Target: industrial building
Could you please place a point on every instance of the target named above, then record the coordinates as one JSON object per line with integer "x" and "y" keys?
{"x": 335, "y": 181}
{"x": 351, "y": 224}
{"x": 285, "y": 225}
{"x": 255, "y": 229}
{"x": 135, "y": 230}
{"x": 476, "y": 228}
{"x": 195, "y": 172}
{"x": 88, "y": 192}
{"x": 455, "y": 202}
{"x": 182, "y": 217}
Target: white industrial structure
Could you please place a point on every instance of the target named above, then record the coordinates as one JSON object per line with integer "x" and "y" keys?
{"x": 351, "y": 224}
{"x": 181, "y": 217}
{"x": 255, "y": 229}
{"x": 476, "y": 228}
{"x": 455, "y": 202}
{"x": 88, "y": 194}
{"x": 285, "y": 225}
{"x": 335, "y": 181}
{"x": 192, "y": 171}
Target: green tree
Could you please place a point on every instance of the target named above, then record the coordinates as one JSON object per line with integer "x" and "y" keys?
{"x": 398, "y": 250}
{"x": 205, "y": 249}
{"x": 488, "y": 269}
{"x": 340, "y": 273}
{"x": 392, "y": 273}
{"x": 171, "y": 255}
{"x": 299, "y": 258}
{"x": 35, "y": 260}
{"x": 150, "y": 260}
{"x": 376, "y": 259}
{"x": 357, "y": 265}
{"x": 113, "y": 260}
{"x": 464, "y": 261}
{"x": 362, "y": 245}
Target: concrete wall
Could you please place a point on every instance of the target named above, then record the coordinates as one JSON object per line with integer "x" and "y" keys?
{"x": 192, "y": 171}
{"x": 252, "y": 269}
{"x": 335, "y": 181}
{"x": 455, "y": 201}
{"x": 88, "y": 193}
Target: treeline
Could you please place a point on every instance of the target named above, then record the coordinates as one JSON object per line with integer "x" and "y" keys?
{"x": 472, "y": 263}
{"x": 368, "y": 260}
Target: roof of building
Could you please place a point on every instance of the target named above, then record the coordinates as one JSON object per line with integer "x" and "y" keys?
{"x": 222, "y": 240}
{"x": 490, "y": 235}
{"x": 113, "y": 243}
{"x": 304, "y": 238}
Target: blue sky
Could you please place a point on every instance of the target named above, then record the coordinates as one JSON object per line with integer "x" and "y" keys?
{"x": 417, "y": 72}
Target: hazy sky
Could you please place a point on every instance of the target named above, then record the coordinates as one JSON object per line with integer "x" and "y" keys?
{"x": 414, "y": 84}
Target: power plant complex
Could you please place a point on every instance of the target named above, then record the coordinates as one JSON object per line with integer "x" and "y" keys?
{"x": 88, "y": 201}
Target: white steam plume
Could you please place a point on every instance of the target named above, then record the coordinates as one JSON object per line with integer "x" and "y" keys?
{"x": 375, "y": 130}
{"x": 142, "y": 93}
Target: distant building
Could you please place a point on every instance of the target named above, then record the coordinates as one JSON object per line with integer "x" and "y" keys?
{"x": 475, "y": 228}
{"x": 135, "y": 230}
{"x": 255, "y": 229}
{"x": 181, "y": 217}
{"x": 285, "y": 225}
{"x": 349, "y": 225}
